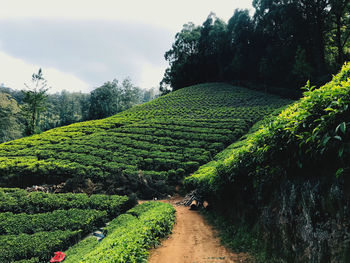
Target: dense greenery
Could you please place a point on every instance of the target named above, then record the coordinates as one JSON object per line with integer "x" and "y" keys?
{"x": 40, "y": 244}
{"x": 72, "y": 219}
{"x": 128, "y": 236}
{"x": 308, "y": 142}
{"x": 17, "y": 200}
{"x": 34, "y": 225}
{"x": 10, "y": 118}
{"x": 283, "y": 44}
{"x": 34, "y": 102}
{"x": 62, "y": 108}
{"x": 141, "y": 149}
{"x": 308, "y": 138}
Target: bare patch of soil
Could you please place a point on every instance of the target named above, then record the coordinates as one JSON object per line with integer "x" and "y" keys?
{"x": 193, "y": 241}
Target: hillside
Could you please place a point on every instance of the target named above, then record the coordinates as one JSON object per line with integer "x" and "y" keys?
{"x": 286, "y": 185}
{"x": 144, "y": 149}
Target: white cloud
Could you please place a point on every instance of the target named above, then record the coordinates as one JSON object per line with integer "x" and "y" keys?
{"x": 150, "y": 76}
{"x": 166, "y": 13}
{"x": 95, "y": 41}
{"x": 15, "y": 72}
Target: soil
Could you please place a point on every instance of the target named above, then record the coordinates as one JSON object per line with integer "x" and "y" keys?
{"x": 193, "y": 241}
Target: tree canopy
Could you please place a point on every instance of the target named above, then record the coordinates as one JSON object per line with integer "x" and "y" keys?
{"x": 34, "y": 99}
{"x": 283, "y": 44}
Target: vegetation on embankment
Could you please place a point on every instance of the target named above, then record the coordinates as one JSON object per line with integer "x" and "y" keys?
{"x": 129, "y": 236}
{"x": 288, "y": 181}
{"x": 143, "y": 149}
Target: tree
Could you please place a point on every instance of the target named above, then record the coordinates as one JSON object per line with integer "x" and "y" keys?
{"x": 301, "y": 69}
{"x": 130, "y": 95}
{"x": 243, "y": 53}
{"x": 104, "y": 101}
{"x": 112, "y": 98}
{"x": 340, "y": 18}
{"x": 10, "y": 126}
{"x": 34, "y": 102}
{"x": 183, "y": 59}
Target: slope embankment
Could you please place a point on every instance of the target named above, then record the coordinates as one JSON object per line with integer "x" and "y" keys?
{"x": 288, "y": 183}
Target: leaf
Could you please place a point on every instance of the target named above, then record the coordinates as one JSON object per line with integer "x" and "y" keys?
{"x": 343, "y": 127}
{"x": 341, "y": 151}
{"x": 337, "y": 137}
{"x": 325, "y": 140}
{"x": 339, "y": 172}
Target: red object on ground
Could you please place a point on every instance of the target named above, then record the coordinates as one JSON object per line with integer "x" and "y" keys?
{"x": 59, "y": 257}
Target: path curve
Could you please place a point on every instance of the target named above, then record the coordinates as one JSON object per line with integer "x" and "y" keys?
{"x": 193, "y": 241}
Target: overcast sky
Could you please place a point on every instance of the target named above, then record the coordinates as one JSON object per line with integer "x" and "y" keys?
{"x": 80, "y": 44}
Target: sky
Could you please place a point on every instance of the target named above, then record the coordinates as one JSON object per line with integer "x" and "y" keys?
{"x": 81, "y": 44}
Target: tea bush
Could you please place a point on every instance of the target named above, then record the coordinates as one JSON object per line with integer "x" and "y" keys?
{"x": 34, "y": 225}
{"x": 308, "y": 139}
{"x": 181, "y": 130}
{"x": 128, "y": 236}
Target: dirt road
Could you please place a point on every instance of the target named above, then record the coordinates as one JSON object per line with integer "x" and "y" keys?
{"x": 193, "y": 241}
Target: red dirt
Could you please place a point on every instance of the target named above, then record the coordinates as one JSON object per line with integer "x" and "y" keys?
{"x": 193, "y": 241}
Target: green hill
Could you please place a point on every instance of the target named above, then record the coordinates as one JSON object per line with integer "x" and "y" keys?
{"x": 143, "y": 149}
{"x": 287, "y": 184}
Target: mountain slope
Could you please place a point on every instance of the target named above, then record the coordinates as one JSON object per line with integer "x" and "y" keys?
{"x": 141, "y": 149}
{"x": 289, "y": 181}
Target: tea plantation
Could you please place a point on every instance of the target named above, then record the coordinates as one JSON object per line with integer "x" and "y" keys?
{"x": 287, "y": 183}
{"x": 128, "y": 236}
{"x": 142, "y": 150}
{"x": 34, "y": 225}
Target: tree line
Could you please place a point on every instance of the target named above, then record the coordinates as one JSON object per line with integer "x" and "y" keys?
{"x": 33, "y": 110}
{"x": 283, "y": 44}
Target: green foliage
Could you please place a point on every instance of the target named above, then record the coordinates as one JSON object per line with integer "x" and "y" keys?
{"x": 72, "y": 219}
{"x": 41, "y": 244}
{"x": 65, "y": 108}
{"x": 309, "y": 139}
{"x": 239, "y": 238}
{"x": 276, "y": 46}
{"x": 34, "y": 100}
{"x": 138, "y": 150}
{"x": 10, "y": 126}
{"x": 18, "y": 200}
{"x": 32, "y": 260}
{"x": 128, "y": 236}
{"x": 34, "y": 225}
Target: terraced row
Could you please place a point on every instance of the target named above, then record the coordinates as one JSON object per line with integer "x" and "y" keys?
{"x": 34, "y": 225}
{"x": 142, "y": 149}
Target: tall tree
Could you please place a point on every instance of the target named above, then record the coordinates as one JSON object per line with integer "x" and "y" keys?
{"x": 243, "y": 53}
{"x": 104, "y": 101}
{"x": 34, "y": 102}
{"x": 183, "y": 59}
{"x": 129, "y": 94}
{"x": 112, "y": 98}
{"x": 10, "y": 126}
{"x": 340, "y": 18}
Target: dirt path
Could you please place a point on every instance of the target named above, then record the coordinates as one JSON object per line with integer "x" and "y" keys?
{"x": 193, "y": 241}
